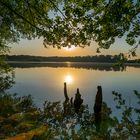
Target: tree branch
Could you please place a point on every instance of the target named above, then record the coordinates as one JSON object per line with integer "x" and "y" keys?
{"x": 20, "y": 16}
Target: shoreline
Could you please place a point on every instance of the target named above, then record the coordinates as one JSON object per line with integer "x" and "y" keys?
{"x": 69, "y": 62}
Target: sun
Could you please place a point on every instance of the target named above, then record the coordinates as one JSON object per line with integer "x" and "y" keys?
{"x": 72, "y": 48}
{"x": 68, "y": 79}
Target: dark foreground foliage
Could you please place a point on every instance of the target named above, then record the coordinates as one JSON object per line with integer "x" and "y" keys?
{"x": 21, "y": 119}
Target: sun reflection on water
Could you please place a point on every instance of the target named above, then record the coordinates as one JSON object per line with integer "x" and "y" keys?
{"x": 68, "y": 79}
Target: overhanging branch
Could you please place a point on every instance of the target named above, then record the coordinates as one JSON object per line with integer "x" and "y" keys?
{"x": 20, "y": 16}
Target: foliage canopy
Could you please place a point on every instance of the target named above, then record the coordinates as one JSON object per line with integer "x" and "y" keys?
{"x": 75, "y": 22}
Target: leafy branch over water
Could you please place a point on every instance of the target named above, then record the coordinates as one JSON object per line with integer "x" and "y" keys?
{"x": 6, "y": 75}
{"x": 19, "y": 118}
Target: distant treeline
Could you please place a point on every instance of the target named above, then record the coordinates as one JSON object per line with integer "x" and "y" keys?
{"x": 96, "y": 58}
{"x": 77, "y": 65}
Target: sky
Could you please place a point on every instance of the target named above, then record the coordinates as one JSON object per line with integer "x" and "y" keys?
{"x": 35, "y": 47}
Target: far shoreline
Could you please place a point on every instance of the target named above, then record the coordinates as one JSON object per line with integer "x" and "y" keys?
{"x": 74, "y": 62}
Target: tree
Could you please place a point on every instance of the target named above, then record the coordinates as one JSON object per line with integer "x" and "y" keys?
{"x": 23, "y": 19}
{"x": 98, "y": 20}
{"x": 20, "y": 19}
{"x": 77, "y": 23}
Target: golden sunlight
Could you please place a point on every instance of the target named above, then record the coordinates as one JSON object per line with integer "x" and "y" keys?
{"x": 68, "y": 79}
{"x": 70, "y": 48}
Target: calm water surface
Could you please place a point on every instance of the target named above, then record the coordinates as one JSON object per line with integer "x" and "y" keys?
{"x": 46, "y": 83}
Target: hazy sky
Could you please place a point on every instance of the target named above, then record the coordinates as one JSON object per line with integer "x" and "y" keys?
{"x": 35, "y": 47}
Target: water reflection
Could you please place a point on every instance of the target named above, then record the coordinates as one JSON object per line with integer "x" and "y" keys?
{"x": 47, "y": 83}
{"x": 68, "y": 79}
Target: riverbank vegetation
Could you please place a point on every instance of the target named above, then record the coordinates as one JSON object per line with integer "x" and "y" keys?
{"x": 21, "y": 119}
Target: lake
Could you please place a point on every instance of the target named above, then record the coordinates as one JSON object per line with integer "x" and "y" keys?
{"x": 44, "y": 81}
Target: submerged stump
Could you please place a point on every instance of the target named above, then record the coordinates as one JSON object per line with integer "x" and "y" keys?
{"x": 77, "y": 101}
{"x": 98, "y": 107}
{"x": 65, "y": 92}
{"x": 66, "y": 105}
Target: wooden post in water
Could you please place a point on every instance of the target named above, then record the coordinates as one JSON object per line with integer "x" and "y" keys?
{"x": 98, "y": 100}
{"x": 66, "y": 102}
{"x": 65, "y": 92}
{"x": 98, "y": 107}
{"x": 77, "y": 101}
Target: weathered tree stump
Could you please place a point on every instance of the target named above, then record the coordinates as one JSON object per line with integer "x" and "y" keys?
{"x": 66, "y": 104}
{"x": 98, "y": 100}
{"x": 65, "y": 92}
{"x": 98, "y": 107}
{"x": 77, "y": 101}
